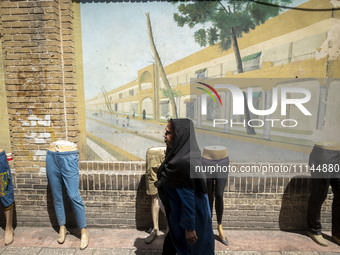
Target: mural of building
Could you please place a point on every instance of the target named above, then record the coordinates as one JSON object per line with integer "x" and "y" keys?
{"x": 291, "y": 52}
{"x": 42, "y": 101}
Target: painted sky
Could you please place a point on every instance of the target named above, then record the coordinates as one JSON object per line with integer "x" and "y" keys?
{"x": 116, "y": 45}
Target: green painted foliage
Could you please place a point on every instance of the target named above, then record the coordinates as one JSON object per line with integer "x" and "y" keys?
{"x": 167, "y": 93}
{"x": 220, "y": 17}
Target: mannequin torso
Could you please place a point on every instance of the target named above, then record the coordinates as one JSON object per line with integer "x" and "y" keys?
{"x": 62, "y": 146}
{"x": 215, "y": 152}
{"x": 329, "y": 146}
{"x": 216, "y": 155}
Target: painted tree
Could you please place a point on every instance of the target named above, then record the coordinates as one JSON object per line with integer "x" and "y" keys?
{"x": 107, "y": 101}
{"x": 226, "y": 20}
{"x": 160, "y": 66}
{"x": 168, "y": 93}
{"x": 171, "y": 93}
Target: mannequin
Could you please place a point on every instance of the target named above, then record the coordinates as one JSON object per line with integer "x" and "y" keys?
{"x": 326, "y": 157}
{"x": 212, "y": 156}
{"x": 62, "y": 169}
{"x": 154, "y": 158}
{"x": 7, "y": 196}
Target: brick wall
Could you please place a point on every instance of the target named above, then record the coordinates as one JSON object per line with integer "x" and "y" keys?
{"x": 4, "y": 130}
{"x": 38, "y": 59}
{"x": 114, "y": 196}
{"x": 113, "y": 193}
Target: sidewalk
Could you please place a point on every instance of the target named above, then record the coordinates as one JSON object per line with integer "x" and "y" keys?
{"x": 43, "y": 241}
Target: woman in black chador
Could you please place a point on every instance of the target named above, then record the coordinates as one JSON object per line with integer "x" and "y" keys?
{"x": 185, "y": 200}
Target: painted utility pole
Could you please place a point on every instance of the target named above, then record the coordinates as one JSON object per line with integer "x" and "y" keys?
{"x": 160, "y": 66}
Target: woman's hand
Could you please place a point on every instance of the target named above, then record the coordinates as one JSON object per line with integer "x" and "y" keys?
{"x": 191, "y": 237}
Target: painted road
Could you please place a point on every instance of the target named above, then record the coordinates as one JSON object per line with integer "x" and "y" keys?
{"x": 125, "y": 140}
{"x": 141, "y": 135}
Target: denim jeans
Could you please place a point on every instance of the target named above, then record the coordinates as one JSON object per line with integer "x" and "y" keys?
{"x": 6, "y": 183}
{"x": 62, "y": 169}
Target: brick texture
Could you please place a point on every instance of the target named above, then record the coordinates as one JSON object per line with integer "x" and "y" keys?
{"x": 114, "y": 195}
{"x": 38, "y": 58}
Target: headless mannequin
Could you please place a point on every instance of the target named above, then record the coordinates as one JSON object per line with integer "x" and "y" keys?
{"x": 9, "y": 234}
{"x": 215, "y": 153}
{"x": 84, "y": 240}
{"x": 155, "y": 216}
{"x": 326, "y": 153}
{"x": 155, "y": 157}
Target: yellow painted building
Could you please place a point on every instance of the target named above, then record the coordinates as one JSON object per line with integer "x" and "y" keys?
{"x": 292, "y": 49}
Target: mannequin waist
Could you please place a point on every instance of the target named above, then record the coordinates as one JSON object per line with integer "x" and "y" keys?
{"x": 328, "y": 146}
{"x": 215, "y": 152}
{"x": 62, "y": 148}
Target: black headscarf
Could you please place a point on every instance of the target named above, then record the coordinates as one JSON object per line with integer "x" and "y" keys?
{"x": 182, "y": 158}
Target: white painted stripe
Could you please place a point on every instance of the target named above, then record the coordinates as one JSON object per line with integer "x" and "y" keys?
{"x": 100, "y": 151}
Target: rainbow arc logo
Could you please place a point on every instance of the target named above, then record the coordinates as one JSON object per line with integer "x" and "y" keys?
{"x": 209, "y": 93}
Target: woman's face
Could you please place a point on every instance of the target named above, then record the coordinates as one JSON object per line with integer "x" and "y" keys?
{"x": 168, "y": 135}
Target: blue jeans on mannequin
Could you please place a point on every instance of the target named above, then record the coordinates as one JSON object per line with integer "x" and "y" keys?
{"x": 6, "y": 191}
{"x": 7, "y": 197}
{"x": 62, "y": 169}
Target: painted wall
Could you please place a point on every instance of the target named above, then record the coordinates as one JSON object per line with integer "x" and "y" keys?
{"x": 288, "y": 47}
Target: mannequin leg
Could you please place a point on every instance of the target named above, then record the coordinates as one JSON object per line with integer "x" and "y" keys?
{"x": 54, "y": 179}
{"x": 84, "y": 239}
{"x": 72, "y": 187}
{"x": 319, "y": 189}
{"x": 335, "y": 183}
{"x": 155, "y": 212}
{"x": 62, "y": 234}
{"x": 9, "y": 235}
{"x": 219, "y": 206}
{"x": 7, "y": 197}
{"x": 211, "y": 195}
{"x": 155, "y": 216}
{"x": 221, "y": 233}
{"x": 70, "y": 176}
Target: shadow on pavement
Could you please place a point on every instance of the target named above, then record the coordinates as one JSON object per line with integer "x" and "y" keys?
{"x": 293, "y": 213}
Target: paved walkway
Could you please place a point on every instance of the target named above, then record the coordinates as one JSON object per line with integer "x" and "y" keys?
{"x": 43, "y": 241}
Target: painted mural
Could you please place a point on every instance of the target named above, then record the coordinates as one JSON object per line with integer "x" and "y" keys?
{"x": 264, "y": 84}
